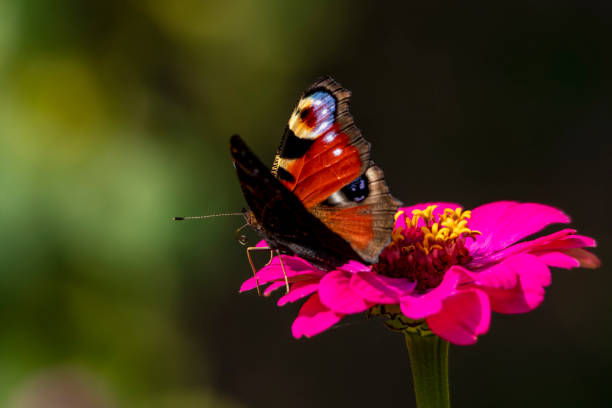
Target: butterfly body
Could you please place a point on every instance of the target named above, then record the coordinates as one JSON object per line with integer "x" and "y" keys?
{"x": 324, "y": 199}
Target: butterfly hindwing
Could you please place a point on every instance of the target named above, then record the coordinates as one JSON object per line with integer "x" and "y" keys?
{"x": 362, "y": 213}
{"x": 281, "y": 217}
{"x": 325, "y": 162}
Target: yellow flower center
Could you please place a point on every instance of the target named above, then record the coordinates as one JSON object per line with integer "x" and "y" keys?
{"x": 428, "y": 245}
{"x": 449, "y": 226}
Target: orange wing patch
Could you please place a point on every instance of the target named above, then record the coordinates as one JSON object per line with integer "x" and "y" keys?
{"x": 354, "y": 224}
{"x": 324, "y": 169}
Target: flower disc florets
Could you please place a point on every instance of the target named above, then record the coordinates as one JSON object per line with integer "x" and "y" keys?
{"x": 428, "y": 244}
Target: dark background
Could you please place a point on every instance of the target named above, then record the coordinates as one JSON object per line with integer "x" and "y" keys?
{"x": 115, "y": 116}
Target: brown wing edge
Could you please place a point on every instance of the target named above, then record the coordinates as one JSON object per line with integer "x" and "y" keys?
{"x": 383, "y": 208}
{"x": 344, "y": 118}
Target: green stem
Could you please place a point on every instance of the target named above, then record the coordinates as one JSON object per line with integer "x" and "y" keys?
{"x": 429, "y": 363}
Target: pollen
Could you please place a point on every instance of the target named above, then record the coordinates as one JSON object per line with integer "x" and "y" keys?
{"x": 427, "y": 246}
{"x": 446, "y": 229}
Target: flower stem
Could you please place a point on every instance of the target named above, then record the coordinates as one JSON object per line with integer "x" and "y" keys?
{"x": 429, "y": 363}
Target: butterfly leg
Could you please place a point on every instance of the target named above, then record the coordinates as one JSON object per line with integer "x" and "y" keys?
{"x": 283, "y": 268}
{"x": 271, "y": 258}
{"x": 249, "y": 249}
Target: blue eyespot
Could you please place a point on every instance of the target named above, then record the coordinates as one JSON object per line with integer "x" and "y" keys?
{"x": 324, "y": 107}
{"x": 357, "y": 190}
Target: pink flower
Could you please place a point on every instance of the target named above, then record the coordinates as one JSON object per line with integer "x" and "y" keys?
{"x": 445, "y": 266}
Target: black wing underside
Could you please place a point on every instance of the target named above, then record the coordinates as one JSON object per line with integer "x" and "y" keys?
{"x": 282, "y": 219}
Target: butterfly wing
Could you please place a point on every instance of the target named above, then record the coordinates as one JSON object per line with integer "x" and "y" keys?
{"x": 281, "y": 217}
{"x": 325, "y": 162}
{"x": 321, "y": 150}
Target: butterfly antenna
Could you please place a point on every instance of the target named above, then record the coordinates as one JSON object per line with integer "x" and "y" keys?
{"x": 201, "y": 217}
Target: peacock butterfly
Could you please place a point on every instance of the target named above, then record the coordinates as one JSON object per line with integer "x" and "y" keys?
{"x": 324, "y": 200}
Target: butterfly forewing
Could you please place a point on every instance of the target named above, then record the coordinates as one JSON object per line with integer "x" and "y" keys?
{"x": 325, "y": 162}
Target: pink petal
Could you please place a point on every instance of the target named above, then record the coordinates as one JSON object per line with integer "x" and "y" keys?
{"x": 503, "y": 223}
{"x": 298, "y": 291}
{"x": 558, "y": 260}
{"x": 274, "y": 286}
{"x": 354, "y": 266}
{"x": 296, "y": 268}
{"x": 336, "y": 293}
{"x": 559, "y": 241}
{"x": 464, "y": 317}
{"x": 515, "y": 285}
{"x": 578, "y": 241}
{"x": 547, "y": 241}
{"x": 585, "y": 258}
{"x": 420, "y": 306}
{"x": 313, "y": 318}
{"x": 262, "y": 244}
{"x": 248, "y": 284}
{"x": 380, "y": 289}
{"x": 499, "y": 276}
{"x": 553, "y": 242}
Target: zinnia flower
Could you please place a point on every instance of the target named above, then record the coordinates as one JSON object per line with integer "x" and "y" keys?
{"x": 445, "y": 270}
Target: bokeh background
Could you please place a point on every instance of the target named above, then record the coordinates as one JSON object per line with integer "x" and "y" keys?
{"x": 116, "y": 115}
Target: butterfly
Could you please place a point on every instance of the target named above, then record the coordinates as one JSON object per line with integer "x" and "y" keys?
{"x": 324, "y": 200}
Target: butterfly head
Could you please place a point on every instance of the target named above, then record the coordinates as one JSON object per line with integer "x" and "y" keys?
{"x": 250, "y": 220}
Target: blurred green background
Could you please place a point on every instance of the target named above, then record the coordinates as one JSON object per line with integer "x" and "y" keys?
{"x": 116, "y": 115}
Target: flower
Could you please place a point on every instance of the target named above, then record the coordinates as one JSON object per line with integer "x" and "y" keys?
{"x": 446, "y": 267}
